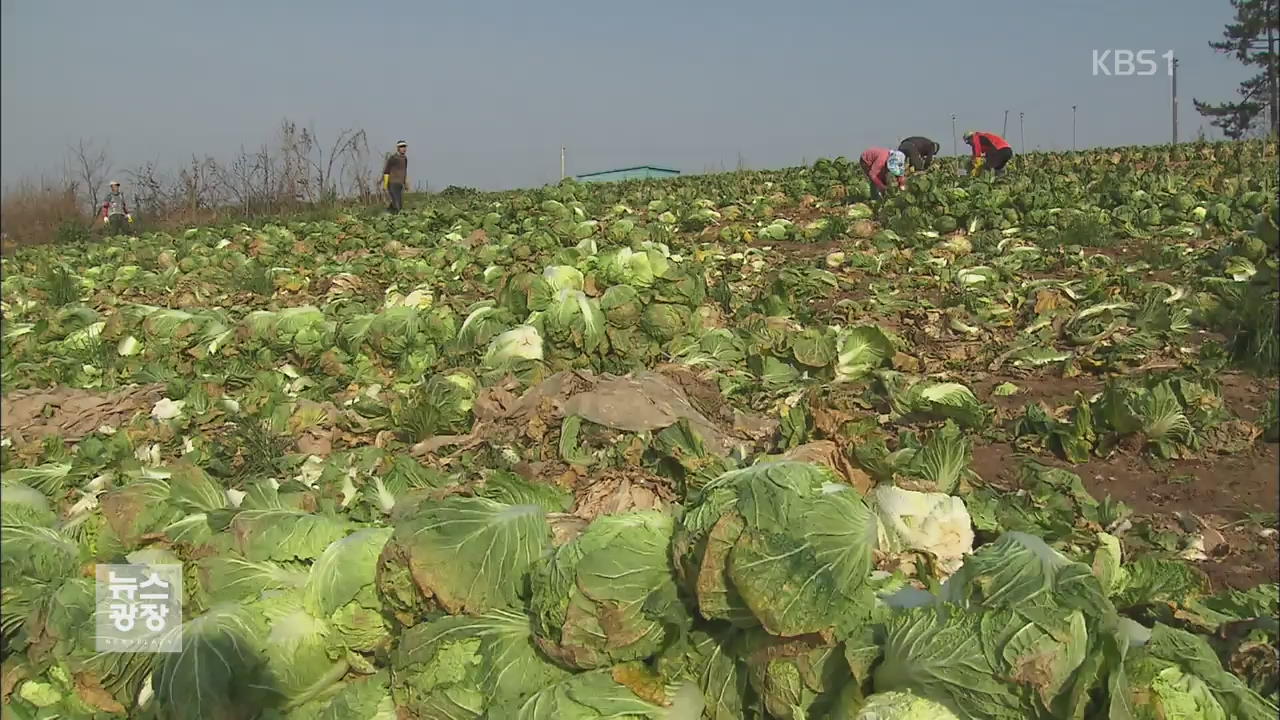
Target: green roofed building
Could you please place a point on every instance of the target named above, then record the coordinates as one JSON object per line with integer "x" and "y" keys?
{"x": 641, "y": 172}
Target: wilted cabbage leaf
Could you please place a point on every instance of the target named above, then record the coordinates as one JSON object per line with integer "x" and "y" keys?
{"x": 780, "y": 544}
{"x": 461, "y": 555}
{"x": 456, "y": 667}
{"x": 609, "y": 596}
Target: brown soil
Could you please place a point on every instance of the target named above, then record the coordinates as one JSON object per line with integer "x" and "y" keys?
{"x": 1245, "y": 395}
{"x": 1052, "y": 391}
{"x": 802, "y": 249}
{"x": 825, "y": 308}
{"x": 1232, "y": 488}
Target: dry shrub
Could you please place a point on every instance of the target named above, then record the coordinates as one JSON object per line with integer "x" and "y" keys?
{"x": 294, "y": 177}
{"x": 33, "y": 213}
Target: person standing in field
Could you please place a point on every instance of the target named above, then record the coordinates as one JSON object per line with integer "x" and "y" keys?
{"x": 115, "y": 212}
{"x": 880, "y": 164}
{"x": 920, "y": 151}
{"x": 395, "y": 176}
{"x": 990, "y": 150}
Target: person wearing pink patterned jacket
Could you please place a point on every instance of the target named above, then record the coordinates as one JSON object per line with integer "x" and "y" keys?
{"x": 880, "y": 164}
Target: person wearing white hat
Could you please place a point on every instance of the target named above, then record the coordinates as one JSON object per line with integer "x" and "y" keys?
{"x": 115, "y": 212}
{"x": 395, "y": 176}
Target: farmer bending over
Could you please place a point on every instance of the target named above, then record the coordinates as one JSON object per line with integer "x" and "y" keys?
{"x": 395, "y": 176}
{"x": 990, "y": 150}
{"x": 115, "y": 214}
{"x": 919, "y": 151}
{"x": 880, "y": 164}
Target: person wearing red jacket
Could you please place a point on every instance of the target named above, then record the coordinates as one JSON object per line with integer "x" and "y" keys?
{"x": 115, "y": 213}
{"x": 989, "y": 149}
{"x": 880, "y": 164}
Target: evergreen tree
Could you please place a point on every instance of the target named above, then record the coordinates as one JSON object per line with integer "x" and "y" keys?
{"x": 1254, "y": 38}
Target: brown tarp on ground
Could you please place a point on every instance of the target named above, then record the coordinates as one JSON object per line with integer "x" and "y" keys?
{"x": 31, "y": 415}
{"x": 637, "y": 402}
{"x": 646, "y": 401}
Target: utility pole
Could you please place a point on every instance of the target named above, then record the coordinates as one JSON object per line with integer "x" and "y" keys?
{"x": 561, "y": 162}
{"x": 1175, "y": 100}
{"x": 955, "y": 148}
{"x": 1073, "y": 128}
{"x": 1022, "y": 134}
{"x": 1005, "y": 131}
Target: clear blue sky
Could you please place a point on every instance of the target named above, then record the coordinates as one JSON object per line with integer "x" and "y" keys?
{"x": 487, "y": 91}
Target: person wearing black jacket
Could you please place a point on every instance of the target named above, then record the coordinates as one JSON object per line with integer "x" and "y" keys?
{"x": 919, "y": 151}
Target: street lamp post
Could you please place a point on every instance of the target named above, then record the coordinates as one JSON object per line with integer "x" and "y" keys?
{"x": 1022, "y": 134}
{"x": 955, "y": 148}
{"x": 1073, "y": 128}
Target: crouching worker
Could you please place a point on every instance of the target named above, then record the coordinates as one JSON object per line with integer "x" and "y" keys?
{"x": 989, "y": 150}
{"x": 920, "y": 151}
{"x": 115, "y": 213}
{"x": 881, "y": 164}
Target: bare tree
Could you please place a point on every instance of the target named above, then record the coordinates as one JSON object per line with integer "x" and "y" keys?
{"x": 347, "y": 147}
{"x": 357, "y": 168}
{"x": 236, "y": 180}
{"x": 296, "y": 146}
{"x": 152, "y": 193}
{"x": 89, "y": 167}
{"x": 197, "y": 185}
{"x": 270, "y": 189}
{"x": 293, "y": 167}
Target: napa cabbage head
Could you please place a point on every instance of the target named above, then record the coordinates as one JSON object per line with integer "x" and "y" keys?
{"x": 934, "y": 522}
{"x": 638, "y": 268}
{"x": 561, "y": 277}
{"x": 902, "y": 705}
{"x": 547, "y": 287}
{"x": 575, "y": 320}
{"x": 484, "y": 320}
{"x": 1176, "y": 675}
{"x": 621, "y": 305}
{"x": 791, "y": 551}
{"x": 584, "y": 617}
{"x": 665, "y": 321}
{"x": 512, "y": 346}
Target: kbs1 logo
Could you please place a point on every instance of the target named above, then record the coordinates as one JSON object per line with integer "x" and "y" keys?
{"x": 1127, "y": 63}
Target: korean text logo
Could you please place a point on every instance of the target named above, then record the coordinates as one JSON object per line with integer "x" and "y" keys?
{"x": 139, "y": 608}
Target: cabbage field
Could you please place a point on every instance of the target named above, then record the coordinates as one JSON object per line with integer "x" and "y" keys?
{"x": 741, "y": 445}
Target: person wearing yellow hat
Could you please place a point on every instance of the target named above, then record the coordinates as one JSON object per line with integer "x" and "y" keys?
{"x": 395, "y": 176}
